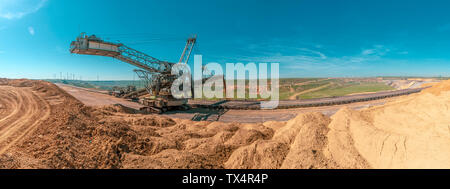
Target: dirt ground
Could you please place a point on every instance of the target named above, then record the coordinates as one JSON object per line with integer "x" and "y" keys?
{"x": 42, "y": 126}
{"x": 92, "y": 98}
{"x": 95, "y": 99}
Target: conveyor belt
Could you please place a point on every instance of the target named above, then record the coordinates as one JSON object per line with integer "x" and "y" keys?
{"x": 285, "y": 104}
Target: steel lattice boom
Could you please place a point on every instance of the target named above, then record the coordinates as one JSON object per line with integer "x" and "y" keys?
{"x": 92, "y": 45}
{"x": 155, "y": 73}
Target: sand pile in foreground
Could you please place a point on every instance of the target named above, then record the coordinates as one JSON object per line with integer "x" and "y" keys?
{"x": 297, "y": 144}
{"x": 436, "y": 89}
{"x": 412, "y": 132}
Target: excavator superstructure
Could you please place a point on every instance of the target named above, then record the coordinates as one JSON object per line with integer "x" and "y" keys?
{"x": 156, "y": 74}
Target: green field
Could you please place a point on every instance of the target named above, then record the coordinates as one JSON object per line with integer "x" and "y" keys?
{"x": 332, "y": 90}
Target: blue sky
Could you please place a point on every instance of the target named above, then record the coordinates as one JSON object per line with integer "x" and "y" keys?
{"x": 315, "y": 38}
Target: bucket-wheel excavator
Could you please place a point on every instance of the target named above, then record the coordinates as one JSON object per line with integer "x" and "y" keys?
{"x": 156, "y": 74}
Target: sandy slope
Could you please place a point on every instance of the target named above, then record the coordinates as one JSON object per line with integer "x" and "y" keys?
{"x": 413, "y": 132}
{"x": 410, "y": 132}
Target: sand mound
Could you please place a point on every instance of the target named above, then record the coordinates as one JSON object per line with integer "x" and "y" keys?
{"x": 412, "y": 132}
{"x": 118, "y": 108}
{"x": 4, "y": 81}
{"x": 22, "y": 82}
{"x": 436, "y": 89}
{"x": 298, "y": 144}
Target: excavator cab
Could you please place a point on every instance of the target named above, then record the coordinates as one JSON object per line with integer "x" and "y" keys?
{"x": 92, "y": 45}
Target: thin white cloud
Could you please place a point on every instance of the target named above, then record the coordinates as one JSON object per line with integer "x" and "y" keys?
{"x": 265, "y": 49}
{"x": 377, "y": 50}
{"x": 320, "y": 54}
{"x": 368, "y": 52}
{"x": 2, "y": 52}
{"x": 313, "y": 63}
{"x": 31, "y": 30}
{"x": 16, "y": 9}
{"x": 298, "y": 58}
